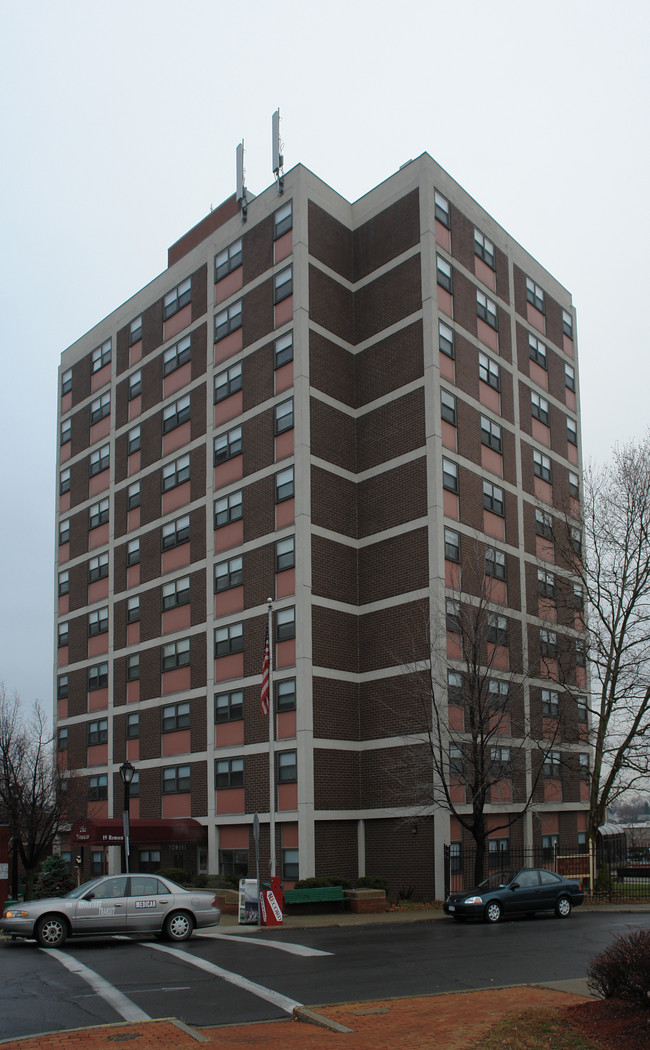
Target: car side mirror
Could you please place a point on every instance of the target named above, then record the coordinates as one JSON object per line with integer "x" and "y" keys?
{"x": 514, "y": 886}
{"x": 89, "y": 896}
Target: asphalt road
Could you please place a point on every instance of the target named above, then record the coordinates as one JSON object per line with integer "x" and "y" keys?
{"x": 239, "y": 976}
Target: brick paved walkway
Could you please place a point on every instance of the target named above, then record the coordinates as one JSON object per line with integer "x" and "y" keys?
{"x": 447, "y": 1022}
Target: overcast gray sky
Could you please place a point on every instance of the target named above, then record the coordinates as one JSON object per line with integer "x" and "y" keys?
{"x": 119, "y": 131}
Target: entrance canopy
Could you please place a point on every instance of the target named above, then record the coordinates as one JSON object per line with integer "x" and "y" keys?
{"x": 110, "y": 832}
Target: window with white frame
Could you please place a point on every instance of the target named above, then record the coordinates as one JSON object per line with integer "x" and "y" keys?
{"x": 98, "y": 514}
{"x": 283, "y": 349}
{"x": 64, "y": 532}
{"x": 441, "y": 208}
{"x": 553, "y": 765}
{"x": 100, "y": 460}
{"x": 548, "y": 643}
{"x": 133, "y": 552}
{"x": 229, "y": 707}
{"x": 176, "y": 654}
{"x": 448, "y": 407}
{"x": 176, "y": 473}
{"x": 135, "y": 331}
{"x": 491, "y": 434}
{"x": 455, "y": 687}
{"x": 443, "y": 274}
{"x": 285, "y": 554}
{"x": 227, "y": 445}
{"x": 66, "y": 381}
{"x": 285, "y": 695}
{"x": 229, "y": 639}
{"x": 228, "y": 773}
{"x": 497, "y": 630}
{"x": 98, "y": 621}
{"x": 546, "y": 584}
{"x": 227, "y": 382}
{"x": 283, "y": 416}
{"x": 101, "y": 356}
{"x": 175, "y": 414}
{"x": 179, "y": 297}
{"x": 64, "y": 582}
{"x": 284, "y": 487}
{"x": 228, "y": 509}
{"x": 567, "y": 324}
{"x": 175, "y": 717}
{"x": 452, "y": 545}
{"x": 133, "y": 667}
{"x": 228, "y": 574}
{"x": 133, "y": 496}
{"x": 227, "y": 320}
{"x": 498, "y": 694}
{"x": 569, "y": 377}
{"x": 133, "y": 440}
{"x": 550, "y": 703}
{"x": 535, "y": 295}
{"x": 228, "y": 260}
{"x": 62, "y": 684}
{"x": 176, "y": 780}
{"x": 285, "y": 624}
{"x": 446, "y": 339}
{"x": 132, "y": 726}
{"x": 484, "y": 248}
{"x": 537, "y": 351}
{"x": 135, "y": 384}
{"x": 283, "y": 220}
{"x": 287, "y": 767}
{"x": 486, "y": 309}
{"x": 66, "y": 430}
{"x": 542, "y": 466}
{"x": 493, "y": 498}
{"x": 133, "y": 609}
{"x": 177, "y": 355}
{"x": 98, "y": 567}
{"x": 543, "y": 524}
{"x": 572, "y": 431}
{"x": 488, "y": 371}
{"x": 97, "y": 732}
{"x": 449, "y": 475}
{"x": 495, "y": 563}
{"x": 174, "y": 533}
{"x": 63, "y": 633}
{"x": 283, "y": 284}
{"x": 539, "y": 408}
{"x": 97, "y": 792}
{"x": 100, "y": 407}
{"x": 500, "y": 760}
{"x": 64, "y": 481}
{"x": 175, "y": 593}
{"x": 453, "y": 621}
{"x": 578, "y": 597}
{"x": 97, "y": 677}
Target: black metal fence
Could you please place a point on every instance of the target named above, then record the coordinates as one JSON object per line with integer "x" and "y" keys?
{"x": 607, "y": 873}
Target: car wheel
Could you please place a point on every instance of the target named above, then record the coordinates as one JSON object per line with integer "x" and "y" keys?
{"x": 563, "y": 908}
{"x": 493, "y": 911}
{"x": 51, "y": 931}
{"x": 178, "y": 926}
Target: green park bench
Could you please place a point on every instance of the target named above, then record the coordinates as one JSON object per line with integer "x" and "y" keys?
{"x": 314, "y": 895}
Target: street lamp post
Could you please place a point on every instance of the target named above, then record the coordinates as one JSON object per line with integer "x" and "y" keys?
{"x": 126, "y": 772}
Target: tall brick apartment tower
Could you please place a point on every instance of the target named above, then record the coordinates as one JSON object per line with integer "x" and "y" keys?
{"x": 332, "y": 405}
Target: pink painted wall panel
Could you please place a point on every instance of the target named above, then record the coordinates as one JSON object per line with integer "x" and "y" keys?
{"x": 536, "y": 318}
{"x": 98, "y": 483}
{"x": 230, "y": 601}
{"x": 176, "y": 558}
{"x": 65, "y": 452}
{"x": 538, "y": 375}
{"x": 231, "y": 800}
{"x": 283, "y": 247}
{"x": 229, "y": 734}
{"x": 133, "y": 519}
{"x": 443, "y": 236}
{"x": 491, "y": 460}
{"x": 498, "y": 656}
{"x": 100, "y": 378}
{"x": 496, "y": 590}
{"x": 64, "y": 553}
{"x": 449, "y": 433}
{"x": 64, "y": 604}
{"x": 572, "y": 454}
{"x": 62, "y": 655}
{"x": 570, "y": 399}
{"x": 228, "y": 285}
{"x": 550, "y": 823}
{"x": 98, "y": 810}
{"x": 133, "y": 692}
{"x": 228, "y": 408}
{"x": 501, "y": 791}
{"x": 450, "y": 504}
{"x": 283, "y": 311}
{"x": 284, "y": 377}
{"x": 489, "y": 397}
{"x": 287, "y": 796}
{"x": 178, "y": 379}
{"x": 133, "y": 576}
{"x": 290, "y": 836}
{"x": 286, "y": 725}
{"x": 175, "y": 681}
{"x": 133, "y": 750}
{"x": 546, "y": 608}
{"x": 176, "y": 438}
{"x": 454, "y": 649}
{"x": 285, "y": 583}
{"x": 64, "y": 502}
{"x": 234, "y": 836}
{"x": 176, "y": 497}
{"x": 133, "y": 463}
{"x": 176, "y": 619}
{"x": 445, "y": 302}
{"x": 100, "y": 430}
{"x": 98, "y": 700}
{"x": 487, "y": 335}
{"x": 229, "y": 667}
{"x": 66, "y": 402}
{"x": 447, "y": 368}
{"x": 231, "y": 470}
{"x": 177, "y": 322}
{"x": 452, "y": 575}
{"x": 567, "y": 345}
{"x": 97, "y": 755}
{"x": 227, "y": 536}
{"x": 285, "y": 653}
{"x": 135, "y": 407}
{"x": 543, "y": 490}
{"x": 97, "y": 590}
{"x": 485, "y": 273}
{"x": 544, "y": 548}
{"x": 135, "y": 353}
{"x": 177, "y": 805}
{"x": 284, "y": 445}
{"x": 98, "y": 644}
{"x": 178, "y": 743}
{"x": 541, "y": 433}
{"x": 552, "y": 790}
{"x": 228, "y": 346}
{"x": 99, "y": 537}
{"x": 62, "y": 708}
{"x": 285, "y": 513}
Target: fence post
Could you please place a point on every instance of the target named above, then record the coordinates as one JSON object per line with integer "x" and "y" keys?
{"x": 447, "y": 869}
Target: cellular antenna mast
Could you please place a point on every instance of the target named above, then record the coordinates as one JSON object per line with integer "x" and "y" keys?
{"x": 277, "y": 147}
{"x": 241, "y": 188}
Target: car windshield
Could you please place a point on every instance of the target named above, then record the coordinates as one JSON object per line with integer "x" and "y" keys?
{"x": 79, "y": 891}
{"x": 497, "y": 880}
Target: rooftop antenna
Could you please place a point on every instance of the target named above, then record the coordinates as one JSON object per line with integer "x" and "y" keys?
{"x": 241, "y": 188}
{"x": 277, "y": 146}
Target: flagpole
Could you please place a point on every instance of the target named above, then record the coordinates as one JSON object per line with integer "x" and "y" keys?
{"x": 271, "y": 746}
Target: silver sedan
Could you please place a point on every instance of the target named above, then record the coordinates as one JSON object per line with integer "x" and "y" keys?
{"x": 114, "y": 904}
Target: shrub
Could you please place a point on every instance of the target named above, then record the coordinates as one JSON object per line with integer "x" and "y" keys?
{"x": 372, "y": 882}
{"x": 216, "y": 882}
{"x": 322, "y": 880}
{"x": 622, "y": 971}
{"x": 54, "y": 879}
{"x": 602, "y": 879}
{"x": 178, "y": 875}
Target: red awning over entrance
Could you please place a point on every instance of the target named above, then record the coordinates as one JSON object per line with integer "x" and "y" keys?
{"x": 109, "y": 832}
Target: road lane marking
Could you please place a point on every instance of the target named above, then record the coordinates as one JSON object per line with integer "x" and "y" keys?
{"x": 120, "y": 1003}
{"x": 275, "y": 998}
{"x": 282, "y": 946}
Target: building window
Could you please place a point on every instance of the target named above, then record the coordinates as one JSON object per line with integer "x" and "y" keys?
{"x": 576, "y": 541}
{"x": 441, "y": 208}
{"x": 62, "y": 635}
{"x": 135, "y": 331}
{"x": 448, "y": 407}
{"x": 491, "y": 434}
{"x": 499, "y": 853}
{"x": 98, "y": 732}
{"x": 100, "y": 460}
{"x": 581, "y": 652}
{"x": 98, "y": 514}
{"x": 229, "y": 707}
{"x": 552, "y": 767}
{"x": 227, "y": 321}
{"x": 498, "y": 694}
{"x": 539, "y": 408}
{"x": 133, "y": 552}
{"x": 285, "y": 555}
{"x": 449, "y": 475}
{"x": 284, "y": 416}
{"x": 535, "y": 295}
{"x": 484, "y": 248}
{"x": 133, "y": 440}
{"x": 500, "y": 760}
{"x": 487, "y": 310}
{"x": 537, "y": 351}
{"x": 446, "y": 339}
{"x": 574, "y": 485}
{"x": 495, "y": 563}
{"x": 284, "y": 488}
{"x": 493, "y": 498}
{"x": 497, "y": 629}
{"x": 228, "y": 509}
{"x": 133, "y": 609}
{"x": 227, "y": 260}
{"x": 548, "y": 643}
{"x": 98, "y": 568}
{"x": 578, "y": 597}
{"x": 572, "y": 432}
{"x": 456, "y": 762}
{"x": 443, "y": 273}
{"x": 453, "y": 615}
{"x": 567, "y": 324}
{"x": 135, "y": 384}
{"x": 452, "y": 545}
{"x": 569, "y": 377}
{"x": 98, "y": 622}
{"x": 488, "y": 371}
{"x": 177, "y": 299}
{"x": 227, "y": 383}
{"x": 290, "y": 868}
{"x": 582, "y": 708}
{"x": 543, "y": 524}
{"x": 228, "y": 640}
{"x": 64, "y": 481}
{"x": 62, "y": 687}
{"x": 229, "y": 574}
{"x": 149, "y": 859}
{"x": 287, "y": 767}
{"x": 66, "y": 382}
{"x": 97, "y": 677}
{"x": 66, "y": 430}
{"x": 546, "y": 584}
{"x": 550, "y": 703}
{"x": 175, "y": 414}
{"x": 175, "y": 717}
{"x": 455, "y": 689}
{"x": 101, "y": 356}
{"x": 64, "y": 582}
{"x": 227, "y": 445}
{"x": 285, "y": 624}
{"x": 133, "y": 667}
{"x": 177, "y": 355}
{"x": 175, "y": 655}
{"x": 542, "y": 466}
{"x": 134, "y": 790}
{"x": 283, "y": 220}
{"x": 64, "y": 532}
{"x": 176, "y": 473}
{"x": 229, "y": 773}
{"x": 174, "y": 533}
{"x": 133, "y": 496}
{"x": 100, "y": 407}
{"x": 283, "y": 284}
{"x": 176, "y": 780}
{"x": 176, "y": 593}
{"x": 97, "y": 792}
{"x": 283, "y": 349}
{"x": 62, "y": 739}
{"x": 285, "y": 692}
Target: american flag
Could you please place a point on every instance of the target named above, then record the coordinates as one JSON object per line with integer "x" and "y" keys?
{"x": 264, "y": 697}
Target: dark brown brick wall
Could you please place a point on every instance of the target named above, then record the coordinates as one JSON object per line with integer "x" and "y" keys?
{"x": 335, "y": 639}
{"x": 257, "y": 249}
{"x": 387, "y": 235}
{"x": 333, "y": 435}
{"x": 336, "y": 848}
{"x": 393, "y": 497}
{"x": 388, "y": 299}
{"x": 332, "y": 369}
{"x": 330, "y": 241}
{"x": 394, "y": 566}
{"x": 336, "y": 709}
{"x": 336, "y": 776}
{"x": 331, "y": 305}
{"x": 390, "y": 363}
{"x": 404, "y": 855}
{"x": 392, "y": 637}
{"x": 334, "y": 502}
{"x": 334, "y": 570}
{"x": 391, "y": 430}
